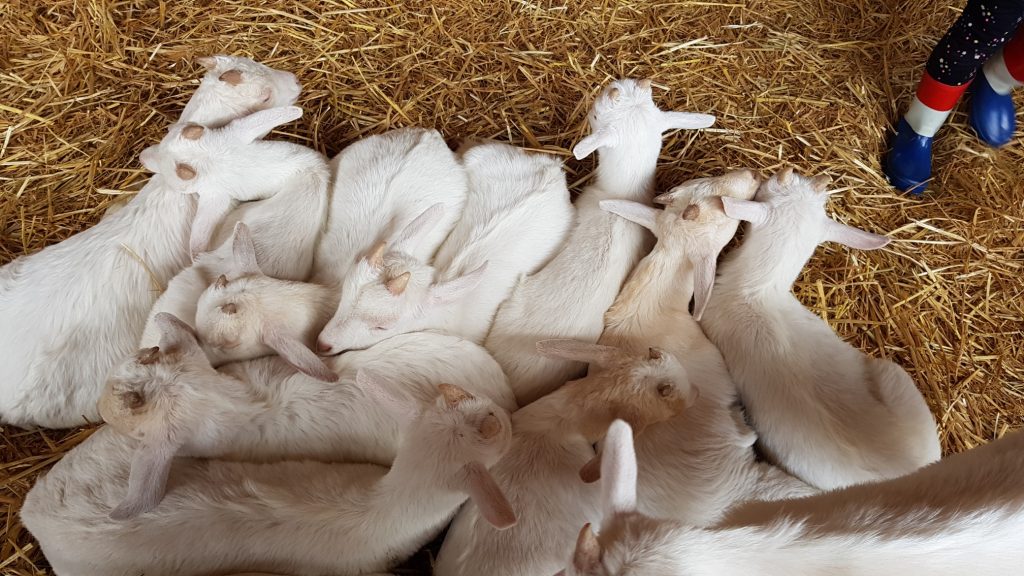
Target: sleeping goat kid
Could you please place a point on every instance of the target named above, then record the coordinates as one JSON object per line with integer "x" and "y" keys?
{"x": 823, "y": 410}
{"x": 287, "y": 517}
{"x": 58, "y": 306}
{"x": 568, "y": 297}
{"x": 551, "y": 440}
{"x": 253, "y": 315}
{"x": 379, "y": 185}
{"x": 280, "y": 231}
{"x": 517, "y": 214}
{"x": 175, "y": 403}
{"x": 696, "y": 465}
{"x": 963, "y": 515}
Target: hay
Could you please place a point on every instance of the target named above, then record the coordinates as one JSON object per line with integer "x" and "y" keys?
{"x": 84, "y": 86}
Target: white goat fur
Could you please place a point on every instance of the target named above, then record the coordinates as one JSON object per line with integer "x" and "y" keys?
{"x": 551, "y": 441}
{"x": 569, "y": 296}
{"x": 963, "y": 515}
{"x": 290, "y": 517}
{"x": 262, "y": 410}
{"x": 255, "y": 315}
{"x": 823, "y": 410}
{"x": 291, "y": 181}
{"x": 73, "y": 310}
{"x": 380, "y": 184}
{"x": 696, "y": 465}
{"x": 517, "y": 214}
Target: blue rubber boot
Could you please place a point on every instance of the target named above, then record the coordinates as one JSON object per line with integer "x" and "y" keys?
{"x": 909, "y": 165}
{"x": 992, "y": 114}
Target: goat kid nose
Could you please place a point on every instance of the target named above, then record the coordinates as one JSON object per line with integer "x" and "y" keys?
{"x": 323, "y": 347}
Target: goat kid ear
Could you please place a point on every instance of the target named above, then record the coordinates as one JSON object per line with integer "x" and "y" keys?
{"x": 150, "y": 158}
{"x": 147, "y": 478}
{"x": 375, "y": 385}
{"x": 853, "y": 237}
{"x": 259, "y": 124}
{"x": 703, "y": 283}
{"x": 453, "y": 290}
{"x": 243, "y": 252}
{"x": 591, "y": 471}
{"x": 586, "y": 558}
{"x": 746, "y": 210}
{"x": 579, "y": 351}
{"x": 419, "y": 226}
{"x": 641, "y": 214}
{"x": 488, "y": 497}
{"x": 685, "y": 121}
{"x": 175, "y": 334}
{"x": 294, "y": 352}
{"x": 210, "y": 212}
{"x": 603, "y": 138}
{"x": 618, "y": 470}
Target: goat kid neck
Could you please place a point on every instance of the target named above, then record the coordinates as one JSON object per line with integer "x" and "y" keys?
{"x": 768, "y": 262}
{"x": 562, "y": 414}
{"x": 660, "y": 287}
{"x": 627, "y": 172}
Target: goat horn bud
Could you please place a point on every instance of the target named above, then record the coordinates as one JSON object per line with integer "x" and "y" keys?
{"x": 221, "y": 283}
{"x": 229, "y": 308}
{"x": 192, "y": 132}
{"x": 133, "y": 400}
{"x": 185, "y": 172}
{"x": 645, "y": 84}
{"x": 149, "y": 355}
{"x": 655, "y": 353}
{"x": 453, "y": 395}
{"x": 398, "y": 284}
{"x": 490, "y": 427}
{"x": 376, "y": 258}
{"x": 691, "y": 212}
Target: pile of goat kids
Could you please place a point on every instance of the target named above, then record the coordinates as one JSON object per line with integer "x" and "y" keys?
{"x": 327, "y": 381}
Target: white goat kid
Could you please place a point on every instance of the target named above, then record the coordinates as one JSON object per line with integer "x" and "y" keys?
{"x": 254, "y": 315}
{"x": 289, "y": 517}
{"x": 696, "y": 465}
{"x": 73, "y": 310}
{"x": 962, "y": 515}
{"x": 228, "y": 164}
{"x": 175, "y": 403}
{"x": 551, "y": 441}
{"x": 569, "y": 296}
{"x": 380, "y": 185}
{"x": 517, "y": 214}
{"x": 823, "y": 410}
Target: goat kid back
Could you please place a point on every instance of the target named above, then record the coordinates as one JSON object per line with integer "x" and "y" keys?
{"x": 824, "y": 411}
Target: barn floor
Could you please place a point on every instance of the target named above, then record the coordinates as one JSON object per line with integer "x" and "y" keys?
{"x": 85, "y": 86}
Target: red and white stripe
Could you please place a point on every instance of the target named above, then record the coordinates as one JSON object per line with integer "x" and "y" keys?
{"x": 932, "y": 104}
{"x": 1005, "y": 70}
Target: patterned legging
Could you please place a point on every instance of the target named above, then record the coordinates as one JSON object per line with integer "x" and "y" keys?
{"x": 983, "y": 27}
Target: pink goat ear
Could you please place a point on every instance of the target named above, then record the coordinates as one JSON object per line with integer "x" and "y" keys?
{"x": 147, "y": 477}
{"x": 686, "y": 121}
{"x": 853, "y": 237}
{"x": 488, "y": 497}
{"x": 243, "y": 252}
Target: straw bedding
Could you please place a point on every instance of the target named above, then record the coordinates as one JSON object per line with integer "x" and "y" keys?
{"x": 84, "y": 86}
